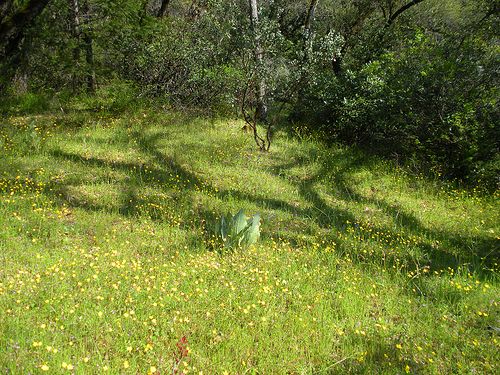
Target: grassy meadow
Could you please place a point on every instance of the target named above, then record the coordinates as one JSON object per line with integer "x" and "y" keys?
{"x": 109, "y": 262}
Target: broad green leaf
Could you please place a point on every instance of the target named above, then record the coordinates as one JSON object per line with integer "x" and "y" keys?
{"x": 236, "y": 231}
{"x": 218, "y": 227}
{"x": 224, "y": 231}
{"x": 253, "y": 231}
{"x": 239, "y": 222}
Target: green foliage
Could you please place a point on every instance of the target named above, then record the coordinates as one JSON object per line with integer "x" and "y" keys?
{"x": 238, "y": 232}
{"x": 428, "y": 101}
{"x": 182, "y": 63}
{"x": 29, "y": 103}
{"x": 422, "y": 85}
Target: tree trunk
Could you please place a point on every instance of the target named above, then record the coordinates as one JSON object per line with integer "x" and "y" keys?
{"x": 21, "y": 77}
{"x": 310, "y": 17}
{"x": 89, "y": 58}
{"x": 163, "y": 11}
{"x": 76, "y": 51}
{"x": 12, "y": 26}
{"x": 89, "y": 54}
{"x": 308, "y": 33}
{"x": 261, "y": 111}
{"x": 88, "y": 75}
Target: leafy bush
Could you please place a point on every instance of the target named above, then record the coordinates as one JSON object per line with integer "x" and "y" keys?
{"x": 429, "y": 101}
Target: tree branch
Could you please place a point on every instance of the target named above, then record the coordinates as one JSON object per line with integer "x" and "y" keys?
{"x": 493, "y": 11}
{"x": 310, "y": 17}
{"x": 5, "y": 7}
{"x": 12, "y": 28}
{"x": 404, "y": 8}
{"x": 252, "y": 122}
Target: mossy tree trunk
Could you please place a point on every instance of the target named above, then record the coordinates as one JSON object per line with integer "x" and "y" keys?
{"x": 13, "y": 23}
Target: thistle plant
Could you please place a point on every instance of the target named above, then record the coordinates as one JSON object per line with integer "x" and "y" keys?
{"x": 236, "y": 231}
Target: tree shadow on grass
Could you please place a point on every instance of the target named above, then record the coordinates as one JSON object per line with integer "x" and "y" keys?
{"x": 331, "y": 216}
{"x": 476, "y": 252}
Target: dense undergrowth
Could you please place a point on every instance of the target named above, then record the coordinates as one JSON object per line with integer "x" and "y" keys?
{"x": 109, "y": 263}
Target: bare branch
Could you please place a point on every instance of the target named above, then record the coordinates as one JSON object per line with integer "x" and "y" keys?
{"x": 404, "y": 8}
{"x": 252, "y": 122}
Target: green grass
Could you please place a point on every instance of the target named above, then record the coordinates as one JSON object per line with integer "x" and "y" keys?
{"x": 108, "y": 256}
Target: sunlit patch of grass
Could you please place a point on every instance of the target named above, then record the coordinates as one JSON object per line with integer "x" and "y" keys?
{"x": 108, "y": 262}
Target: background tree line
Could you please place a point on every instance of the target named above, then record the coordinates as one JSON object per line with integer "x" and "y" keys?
{"x": 413, "y": 79}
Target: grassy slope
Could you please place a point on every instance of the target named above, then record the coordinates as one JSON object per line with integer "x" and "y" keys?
{"x": 108, "y": 259}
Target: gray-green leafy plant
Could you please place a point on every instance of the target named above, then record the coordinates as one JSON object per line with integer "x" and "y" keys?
{"x": 236, "y": 231}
